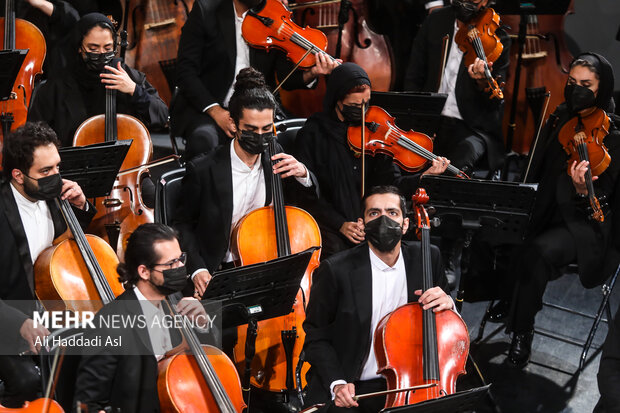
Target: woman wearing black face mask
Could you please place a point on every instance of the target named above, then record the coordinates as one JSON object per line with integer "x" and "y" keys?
{"x": 77, "y": 92}
{"x": 322, "y": 145}
{"x": 561, "y": 231}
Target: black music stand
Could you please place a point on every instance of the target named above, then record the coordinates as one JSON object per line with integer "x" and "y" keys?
{"x": 94, "y": 167}
{"x": 252, "y": 293}
{"x": 10, "y": 63}
{"x": 463, "y": 401}
{"x": 419, "y": 111}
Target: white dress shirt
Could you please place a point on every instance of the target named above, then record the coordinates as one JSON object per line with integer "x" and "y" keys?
{"x": 37, "y": 221}
{"x": 448, "y": 80}
{"x": 160, "y": 337}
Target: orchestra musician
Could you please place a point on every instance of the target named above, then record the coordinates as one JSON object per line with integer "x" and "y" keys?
{"x": 211, "y": 53}
{"x": 73, "y": 95}
{"x": 560, "y": 230}
{"x": 609, "y": 370}
{"x": 125, "y": 377}
{"x": 29, "y": 222}
{"x": 322, "y": 145}
{"x": 352, "y": 291}
{"x": 221, "y": 187}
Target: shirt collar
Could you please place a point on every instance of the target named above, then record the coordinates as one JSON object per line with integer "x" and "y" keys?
{"x": 23, "y": 201}
{"x": 239, "y": 19}
{"x": 146, "y": 304}
{"x": 238, "y": 165}
{"x": 377, "y": 263}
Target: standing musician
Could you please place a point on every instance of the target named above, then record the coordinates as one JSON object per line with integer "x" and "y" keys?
{"x": 221, "y": 187}
{"x": 77, "y": 93}
{"x": 29, "y": 222}
{"x": 561, "y": 231}
{"x": 322, "y": 145}
{"x": 212, "y": 52}
{"x": 125, "y": 377}
{"x": 471, "y": 123}
{"x": 352, "y": 291}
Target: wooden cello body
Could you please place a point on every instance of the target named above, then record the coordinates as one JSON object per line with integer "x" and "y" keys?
{"x": 358, "y": 44}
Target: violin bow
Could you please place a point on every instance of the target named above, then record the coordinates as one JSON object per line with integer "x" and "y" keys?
{"x": 291, "y": 72}
{"x": 444, "y": 56}
{"x": 540, "y": 123}
{"x": 363, "y": 149}
{"x": 55, "y": 371}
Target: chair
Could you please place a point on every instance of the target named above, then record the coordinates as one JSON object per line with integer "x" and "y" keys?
{"x": 173, "y": 138}
{"x": 167, "y": 194}
{"x": 287, "y": 132}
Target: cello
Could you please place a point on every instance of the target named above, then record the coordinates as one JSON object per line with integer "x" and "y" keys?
{"x": 125, "y": 199}
{"x": 20, "y": 34}
{"x": 420, "y": 347}
{"x": 197, "y": 378}
{"x": 264, "y": 234}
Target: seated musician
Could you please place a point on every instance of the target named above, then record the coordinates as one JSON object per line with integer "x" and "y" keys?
{"x": 322, "y": 145}
{"x": 470, "y": 126}
{"x": 561, "y": 231}
{"x": 352, "y": 291}
{"x": 29, "y": 222}
{"x": 212, "y": 51}
{"x": 221, "y": 187}
{"x": 78, "y": 93}
{"x": 125, "y": 377}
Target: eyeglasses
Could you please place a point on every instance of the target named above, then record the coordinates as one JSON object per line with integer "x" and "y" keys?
{"x": 182, "y": 259}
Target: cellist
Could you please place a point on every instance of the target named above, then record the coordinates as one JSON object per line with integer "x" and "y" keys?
{"x": 29, "y": 222}
{"x": 352, "y": 291}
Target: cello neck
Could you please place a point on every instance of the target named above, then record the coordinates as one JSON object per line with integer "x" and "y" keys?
{"x": 206, "y": 368}
{"x": 111, "y": 130}
{"x": 95, "y": 271}
{"x": 279, "y": 209}
{"x": 9, "y": 25}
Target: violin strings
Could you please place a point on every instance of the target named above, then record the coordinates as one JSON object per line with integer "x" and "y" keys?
{"x": 301, "y": 41}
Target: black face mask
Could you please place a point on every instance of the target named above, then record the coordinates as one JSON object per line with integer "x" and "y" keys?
{"x": 578, "y": 97}
{"x": 47, "y": 188}
{"x": 465, "y": 11}
{"x": 383, "y": 233}
{"x": 353, "y": 114}
{"x": 95, "y": 62}
{"x": 254, "y": 143}
{"x": 175, "y": 280}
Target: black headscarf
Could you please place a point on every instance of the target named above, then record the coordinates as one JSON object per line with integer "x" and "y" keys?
{"x": 342, "y": 79}
{"x": 604, "y": 99}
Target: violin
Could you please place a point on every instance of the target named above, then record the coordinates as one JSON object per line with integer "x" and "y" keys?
{"x": 262, "y": 235}
{"x": 417, "y": 347}
{"x": 477, "y": 38}
{"x": 582, "y": 139}
{"x": 124, "y": 201}
{"x": 81, "y": 272}
{"x": 195, "y": 378}
{"x": 42, "y": 405}
{"x": 410, "y": 150}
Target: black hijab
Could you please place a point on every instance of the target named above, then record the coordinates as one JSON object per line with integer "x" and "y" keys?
{"x": 342, "y": 79}
{"x": 604, "y": 99}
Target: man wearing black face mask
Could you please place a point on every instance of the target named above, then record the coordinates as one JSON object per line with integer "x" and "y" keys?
{"x": 29, "y": 222}
{"x": 125, "y": 377}
{"x": 561, "y": 230}
{"x": 322, "y": 145}
{"x": 72, "y": 95}
{"x": 351, "y": 292}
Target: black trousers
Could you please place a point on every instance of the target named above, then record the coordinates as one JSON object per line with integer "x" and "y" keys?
{"x": 534, "y": 265}
{"x": 457, "y": 142}
{"x": 21, "y": 378}
{"x": 369, "y": 405}
{"x": 203, "y": 136}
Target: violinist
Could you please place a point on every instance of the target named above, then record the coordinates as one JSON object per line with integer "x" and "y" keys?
{"x": 125, "y": 377}
{"x": 470, "y": 126}
{"x": 561, "y": 230}
{"x": 212, "y": 51}
{"x": 322, "y": 145}
{"x": 29, "y": 222}
{"x": 221, "y": 187}
{"x": 73, "y": 95}
{"x": 352, "y": 291}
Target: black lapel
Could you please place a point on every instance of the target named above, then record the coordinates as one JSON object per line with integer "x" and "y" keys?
{"x": 15, "y": 221}
{"x": 360, "y": 277}
{"x": 131, "y": 306}
{"x": 226, "y": 18}
{"x": 266, "y": 163}
{"x": 222, "y": 181}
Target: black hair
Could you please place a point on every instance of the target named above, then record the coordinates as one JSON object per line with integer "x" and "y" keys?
{"x": 141, "y": 250}
{"x": 385, "y": 189}
{"x": 251, "y": 92}
{"x": 585, "y": 63}
{"x": 89, "y": 22}
{"x": 19, "y": 146}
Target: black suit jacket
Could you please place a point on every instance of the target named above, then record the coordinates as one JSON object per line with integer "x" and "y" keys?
{"x": 204, "y": 212}
{"x": 339, "y": 314}
{"x": 206, "y": 62}
{"x": 481, "y": 114}
{"x": 609, "y": 370}
{"x": 17, "y": 275}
